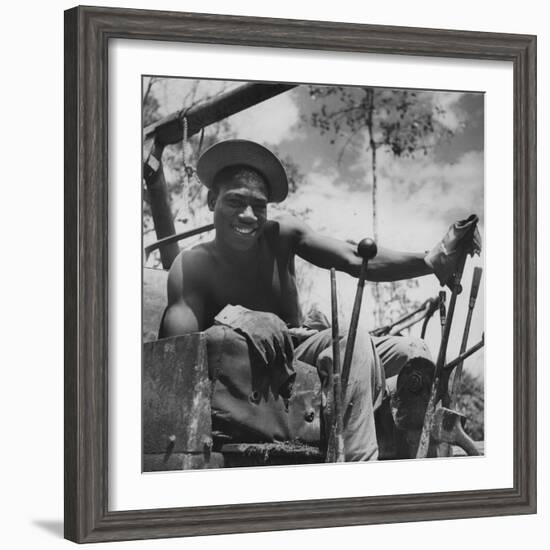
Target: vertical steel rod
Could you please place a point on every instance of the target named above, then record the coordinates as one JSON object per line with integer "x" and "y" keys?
{"x": 367, "y": 250}
{"x": 424, "y": 443}
{"x": 336, "y": 451}
{"x": 445, "y": 449}
{"x": 476, "y": 280}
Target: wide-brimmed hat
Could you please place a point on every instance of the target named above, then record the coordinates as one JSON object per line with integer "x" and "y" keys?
{"x": 233, "y": 152}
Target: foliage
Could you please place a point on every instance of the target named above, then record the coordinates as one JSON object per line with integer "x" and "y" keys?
{"x": 404, "y": 122}
{"x": 150, "y": 102}
{"x": 187, "y": 194}
{"x": 293, "y": 173}
{"x": 394, "y": 300}
{"x": 471, "y": 403}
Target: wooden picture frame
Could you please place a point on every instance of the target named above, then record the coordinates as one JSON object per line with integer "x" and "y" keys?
{"x": 87, "y": 34}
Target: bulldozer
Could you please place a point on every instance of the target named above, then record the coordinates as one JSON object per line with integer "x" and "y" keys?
{"x": 181, "y": 391}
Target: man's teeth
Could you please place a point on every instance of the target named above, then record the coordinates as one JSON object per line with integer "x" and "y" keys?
{"x": 244, "y": 230}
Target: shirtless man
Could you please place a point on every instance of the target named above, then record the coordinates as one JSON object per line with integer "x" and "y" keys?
{"x": 250, "y": 263}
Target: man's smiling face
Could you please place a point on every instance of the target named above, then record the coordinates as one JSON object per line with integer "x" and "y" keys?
{"x": 239, "y": 203}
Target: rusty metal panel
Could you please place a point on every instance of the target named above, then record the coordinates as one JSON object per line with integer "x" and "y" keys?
{"x": 154, "y": 301}
{"x": 181, "y": 461}
{"x": 176, "y": 398}
{"x": 270, "y": 454}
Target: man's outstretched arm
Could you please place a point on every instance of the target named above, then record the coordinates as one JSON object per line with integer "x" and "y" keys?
{"x": 327, "y": 252}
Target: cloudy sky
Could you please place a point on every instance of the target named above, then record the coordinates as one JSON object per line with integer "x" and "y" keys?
{"x": 418, "y": 197}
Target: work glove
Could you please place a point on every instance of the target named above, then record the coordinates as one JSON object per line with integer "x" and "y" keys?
{"x": 269, "y": 340}
{"x": 461, "y": 238}
{"x": 301, "y": 334}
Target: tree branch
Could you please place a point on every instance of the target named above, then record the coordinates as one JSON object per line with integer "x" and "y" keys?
{"x": 152, "y": 81}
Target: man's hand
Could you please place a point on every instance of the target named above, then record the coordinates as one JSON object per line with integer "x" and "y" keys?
{"x": 461, "y": 238}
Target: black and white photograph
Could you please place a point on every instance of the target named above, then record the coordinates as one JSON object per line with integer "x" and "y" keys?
{"x": 275, "y": 275}
{"x": 312, "y": 273}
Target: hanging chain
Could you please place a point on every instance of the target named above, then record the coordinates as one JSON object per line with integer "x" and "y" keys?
{"x": 186, "y": 171}
{"x": 192, "y": 187}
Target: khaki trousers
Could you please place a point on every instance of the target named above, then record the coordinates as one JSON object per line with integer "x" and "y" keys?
{"x": 375, "y": 364}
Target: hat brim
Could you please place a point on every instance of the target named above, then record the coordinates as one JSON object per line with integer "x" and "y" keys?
{"x": 235, "y": 152}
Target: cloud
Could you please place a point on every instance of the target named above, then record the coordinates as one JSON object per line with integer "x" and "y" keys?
{"x": 412, "y": 193}
{"x": 333, "y": 209}
{"x": 441, "y": 192}
{"x": 269, "y": 122}
{"x": 418, "y": 200}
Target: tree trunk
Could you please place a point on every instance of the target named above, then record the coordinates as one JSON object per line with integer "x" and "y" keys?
{"x": 372, "y": 145}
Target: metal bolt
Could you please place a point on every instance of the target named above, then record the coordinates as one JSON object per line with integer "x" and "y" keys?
{"x": 414, "y": 383}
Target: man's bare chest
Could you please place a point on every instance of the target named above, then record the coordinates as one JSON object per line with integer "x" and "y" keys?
{"x": 257, "y": 286}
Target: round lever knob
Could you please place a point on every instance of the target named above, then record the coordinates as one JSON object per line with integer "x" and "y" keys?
{"x": 367, "y": 249}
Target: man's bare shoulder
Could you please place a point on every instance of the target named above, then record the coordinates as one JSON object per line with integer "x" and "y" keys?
{"x": 188, "y": 271}
{"x": 288, "y": 227}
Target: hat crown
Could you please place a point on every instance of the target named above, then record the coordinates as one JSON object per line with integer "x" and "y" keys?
{"x": 241, "y": 152}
